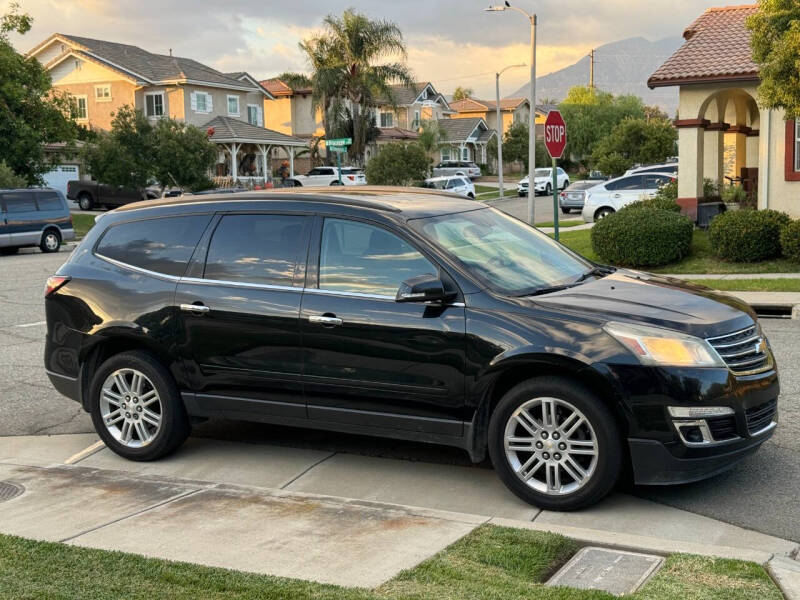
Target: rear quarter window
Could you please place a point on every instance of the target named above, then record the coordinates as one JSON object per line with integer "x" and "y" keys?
{"x": 48, "y": 201}
{"x": 163, "y": 245}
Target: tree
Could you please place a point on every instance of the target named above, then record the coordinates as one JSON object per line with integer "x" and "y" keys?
{"x": 9, "y": 179}
{"x": 429, "y": 135}
{"x": 515, "y": 146}
{"x": 634, "y": 141}
{"x": 135, "y": 152}
{"x": 31, "y": 112}
{"x": 775, "y": 42}
{"x": 355, "y": 60}
{"x": 462, "y": 93}
{"x": 398, "y": 164}
{"x": 591, "y": 114}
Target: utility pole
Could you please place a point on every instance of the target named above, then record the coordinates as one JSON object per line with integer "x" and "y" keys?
{"x": 591, "y": 68}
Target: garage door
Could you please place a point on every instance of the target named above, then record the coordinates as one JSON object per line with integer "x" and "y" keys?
{"x": 59, "y": 176}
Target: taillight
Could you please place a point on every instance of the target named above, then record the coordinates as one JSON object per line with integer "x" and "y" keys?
{"x": 351, "y": 177}
{"x": 54, "y": 283}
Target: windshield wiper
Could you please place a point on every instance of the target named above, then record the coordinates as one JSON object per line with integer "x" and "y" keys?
{"x": 597, "y": 271}
{"x": 543, "y": 290}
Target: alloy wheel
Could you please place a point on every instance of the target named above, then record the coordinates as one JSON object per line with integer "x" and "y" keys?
{"x": 51, "y": 242}
{"x": 551, "y": 446}
{"x": 130, "y": 407}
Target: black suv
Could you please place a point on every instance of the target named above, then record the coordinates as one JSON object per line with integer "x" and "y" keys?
{"x": 406, "y": 314}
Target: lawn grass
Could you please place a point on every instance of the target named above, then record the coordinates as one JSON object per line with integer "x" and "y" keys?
{"x": 82, "y": 223}
{"x": 484, "y": 189}
{"x": 491, "y": 562}
{"x": 751, "y": 285}
{"x": 700, "y": 260}
{"x": 561, "y": 224}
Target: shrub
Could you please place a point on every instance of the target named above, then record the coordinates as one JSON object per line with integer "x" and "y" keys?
{"x": 398, "y": 164}
{"x": 643, "y": 237}
{"x": 735, "y": 194}
{"x": 656, "y": 202}
{"x": 8, "y": 179}
{"x": 668, "y": 191}
{"x": 790, "y": 241}
{"x": 747, "y": 235}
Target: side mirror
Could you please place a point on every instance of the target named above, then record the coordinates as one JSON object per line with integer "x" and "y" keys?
{"x": 424, "y": 288}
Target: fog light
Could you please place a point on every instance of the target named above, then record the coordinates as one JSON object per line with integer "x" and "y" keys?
{"x": 699, "y": 412}
{"x": 692, "y": 434}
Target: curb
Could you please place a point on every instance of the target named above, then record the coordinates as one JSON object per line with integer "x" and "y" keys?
{"x": 785, "y": 572}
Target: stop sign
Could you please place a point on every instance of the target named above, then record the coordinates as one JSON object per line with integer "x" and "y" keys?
{"x": 555, "y": 134}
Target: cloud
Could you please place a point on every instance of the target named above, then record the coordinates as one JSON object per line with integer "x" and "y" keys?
{"x": 451, "y": 42}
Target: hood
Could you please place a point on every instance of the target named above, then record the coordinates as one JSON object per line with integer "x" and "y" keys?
{"x": 667, "y": 302}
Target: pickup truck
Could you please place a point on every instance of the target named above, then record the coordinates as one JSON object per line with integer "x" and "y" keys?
{"x": 91, "y": 194}
{"x": 329, "y": 176}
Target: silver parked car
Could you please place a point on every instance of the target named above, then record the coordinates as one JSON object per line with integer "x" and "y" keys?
{"x": 573, "y": 195}
{"x": 457, "y": 167}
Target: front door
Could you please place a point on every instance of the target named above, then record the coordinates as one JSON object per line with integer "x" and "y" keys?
{"x": 368, "y": 359}
{"x": 240, "y": 306}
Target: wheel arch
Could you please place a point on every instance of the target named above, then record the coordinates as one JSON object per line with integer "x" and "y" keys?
{"x": 602, "y": 208}
{"x": 507, "y": 374}
{"x": 115, "y": 342}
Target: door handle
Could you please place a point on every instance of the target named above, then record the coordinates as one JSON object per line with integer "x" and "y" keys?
{"x": 197, "y": 309}
{"x": 329, "y": 320}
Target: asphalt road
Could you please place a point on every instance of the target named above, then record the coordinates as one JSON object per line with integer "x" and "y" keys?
{"x": 543, "y": 209}
{"x": 762, "y": 493}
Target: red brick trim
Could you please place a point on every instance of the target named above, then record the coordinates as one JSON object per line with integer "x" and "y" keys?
{"x": 789, "y": 173}
{"x": 681, "y": 123}
{"x": 718, "y": 126}
{"x": 753, "y": 133}
{"x": 740, "y": 129}
{"x": 688, "y": 207}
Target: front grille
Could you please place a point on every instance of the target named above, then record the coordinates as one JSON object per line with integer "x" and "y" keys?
{"x": 722, "y": 428}
{"x": 743, "y": 351}
{"x": 758, "y": 417}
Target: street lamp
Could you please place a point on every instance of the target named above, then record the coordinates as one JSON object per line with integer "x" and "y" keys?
{"x": 500, "y": 126}
{"x": 532, "y": 123}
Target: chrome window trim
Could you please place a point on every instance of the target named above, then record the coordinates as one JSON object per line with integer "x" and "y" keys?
{"x": 241, "y": 284}
{"x": 141, "y": 270}
{"x": 349, "y": 294}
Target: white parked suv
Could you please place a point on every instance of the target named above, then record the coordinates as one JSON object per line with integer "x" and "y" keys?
{"x": 544, "y": 182}
{"x": 320, "y": 176}
{"x": 460, "y": 185}
{"x": 609, "y": 196}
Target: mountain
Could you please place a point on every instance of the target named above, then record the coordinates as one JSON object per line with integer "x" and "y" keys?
{"x": 621, "y": 67}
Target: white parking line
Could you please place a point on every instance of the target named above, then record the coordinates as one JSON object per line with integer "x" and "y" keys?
{"x": 85, "y": 453}
{"x": 32, "y": 324}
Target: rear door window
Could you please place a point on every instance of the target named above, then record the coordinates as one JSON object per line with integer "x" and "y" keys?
{"x": 634, "y": 182}
{"x": 162, "y": 245}
{"x": 19, "y": 202}
{"x": 261, "y": 249}
{"x": 653, "y": 182}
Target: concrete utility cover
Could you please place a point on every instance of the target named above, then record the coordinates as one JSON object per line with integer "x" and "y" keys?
{"x": 9, "y": 491}
{"x": 614, "y": 571}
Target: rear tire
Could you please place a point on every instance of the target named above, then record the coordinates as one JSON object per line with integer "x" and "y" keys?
{"x": 161, "y": 424}
{"x": 603, "y": 213}
{"x": 566, "y": 211}
{"x": 51, "y": 241}
{"x": 566, "y": 460}
{"x": 85, "y": 201}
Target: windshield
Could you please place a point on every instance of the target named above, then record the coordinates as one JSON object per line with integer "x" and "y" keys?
{"x": 503, "y": 253}
{"x": 543, "y": 173}
{"x": 436, "y": 184}
{"x": 581, "y": 185}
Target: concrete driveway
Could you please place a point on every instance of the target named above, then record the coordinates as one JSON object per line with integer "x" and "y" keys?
{"x": 760, "y": 494}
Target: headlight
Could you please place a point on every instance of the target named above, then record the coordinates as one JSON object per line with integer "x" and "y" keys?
{"x": 656, "y": 346}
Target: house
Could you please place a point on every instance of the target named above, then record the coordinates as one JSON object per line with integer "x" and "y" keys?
{"x": 464, "y": 139}
{"x": 722, "y": 132}
{"x": 104, "y": 76}
{"x": 512, "y": 110}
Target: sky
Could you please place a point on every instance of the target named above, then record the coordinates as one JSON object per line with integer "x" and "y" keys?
{"x": 450, "y": 42}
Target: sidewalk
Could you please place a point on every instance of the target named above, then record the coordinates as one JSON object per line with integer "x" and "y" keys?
{"x": 323, "y": 516}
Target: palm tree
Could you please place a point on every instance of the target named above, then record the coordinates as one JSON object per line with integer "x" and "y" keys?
{"x": 357, "y": 60}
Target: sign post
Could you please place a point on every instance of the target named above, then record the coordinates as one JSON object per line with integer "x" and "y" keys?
{"x": 339, "y": 145}
{"x": 555, "y": 140}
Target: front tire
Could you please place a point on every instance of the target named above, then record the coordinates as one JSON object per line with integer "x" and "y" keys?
{"x": 51, "y": 241}
{"x": 136, "y": 407}
{"x": 555, "y": 444}
{"x": 9, "y": 250}
{"x": 548, "y": 190}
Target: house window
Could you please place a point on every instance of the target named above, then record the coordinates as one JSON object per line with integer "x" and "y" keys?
{"x": 387, "y": 119}
{"x": 233, "y": 106}
{"x": 81, "y": 112}
{"x": 102, "y": 93}
{"x": 465, "y": 153}
{"x": 415, "y": 122}
{"x": 445, "y": 153}
{"x": 201, "y": 102}
{"x": 254, "y": 115}
{"x": 154, "y": 104}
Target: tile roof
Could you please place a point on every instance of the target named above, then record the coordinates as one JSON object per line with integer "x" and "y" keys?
{"x": 148, "y": 66}
{"x": 717, "y": 47}
{"x": 228, "y": 129}
{"x": 397, "y": 133}
{"x": 403, "y": 95}
{"x": 475, "y": 105}
{"x": 276, "y": 87}
{"x": 458, "y": 130}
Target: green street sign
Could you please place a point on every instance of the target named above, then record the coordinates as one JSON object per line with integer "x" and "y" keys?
{"x": 338, "y": 149}
{"x": 339, "y": 142}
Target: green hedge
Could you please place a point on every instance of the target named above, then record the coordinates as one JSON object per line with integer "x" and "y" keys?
{"x": 747, "y": 235}
{"x": 642, "y": 236}
{"x": 790, "y": 241}
{"x": 655, "y": 203}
